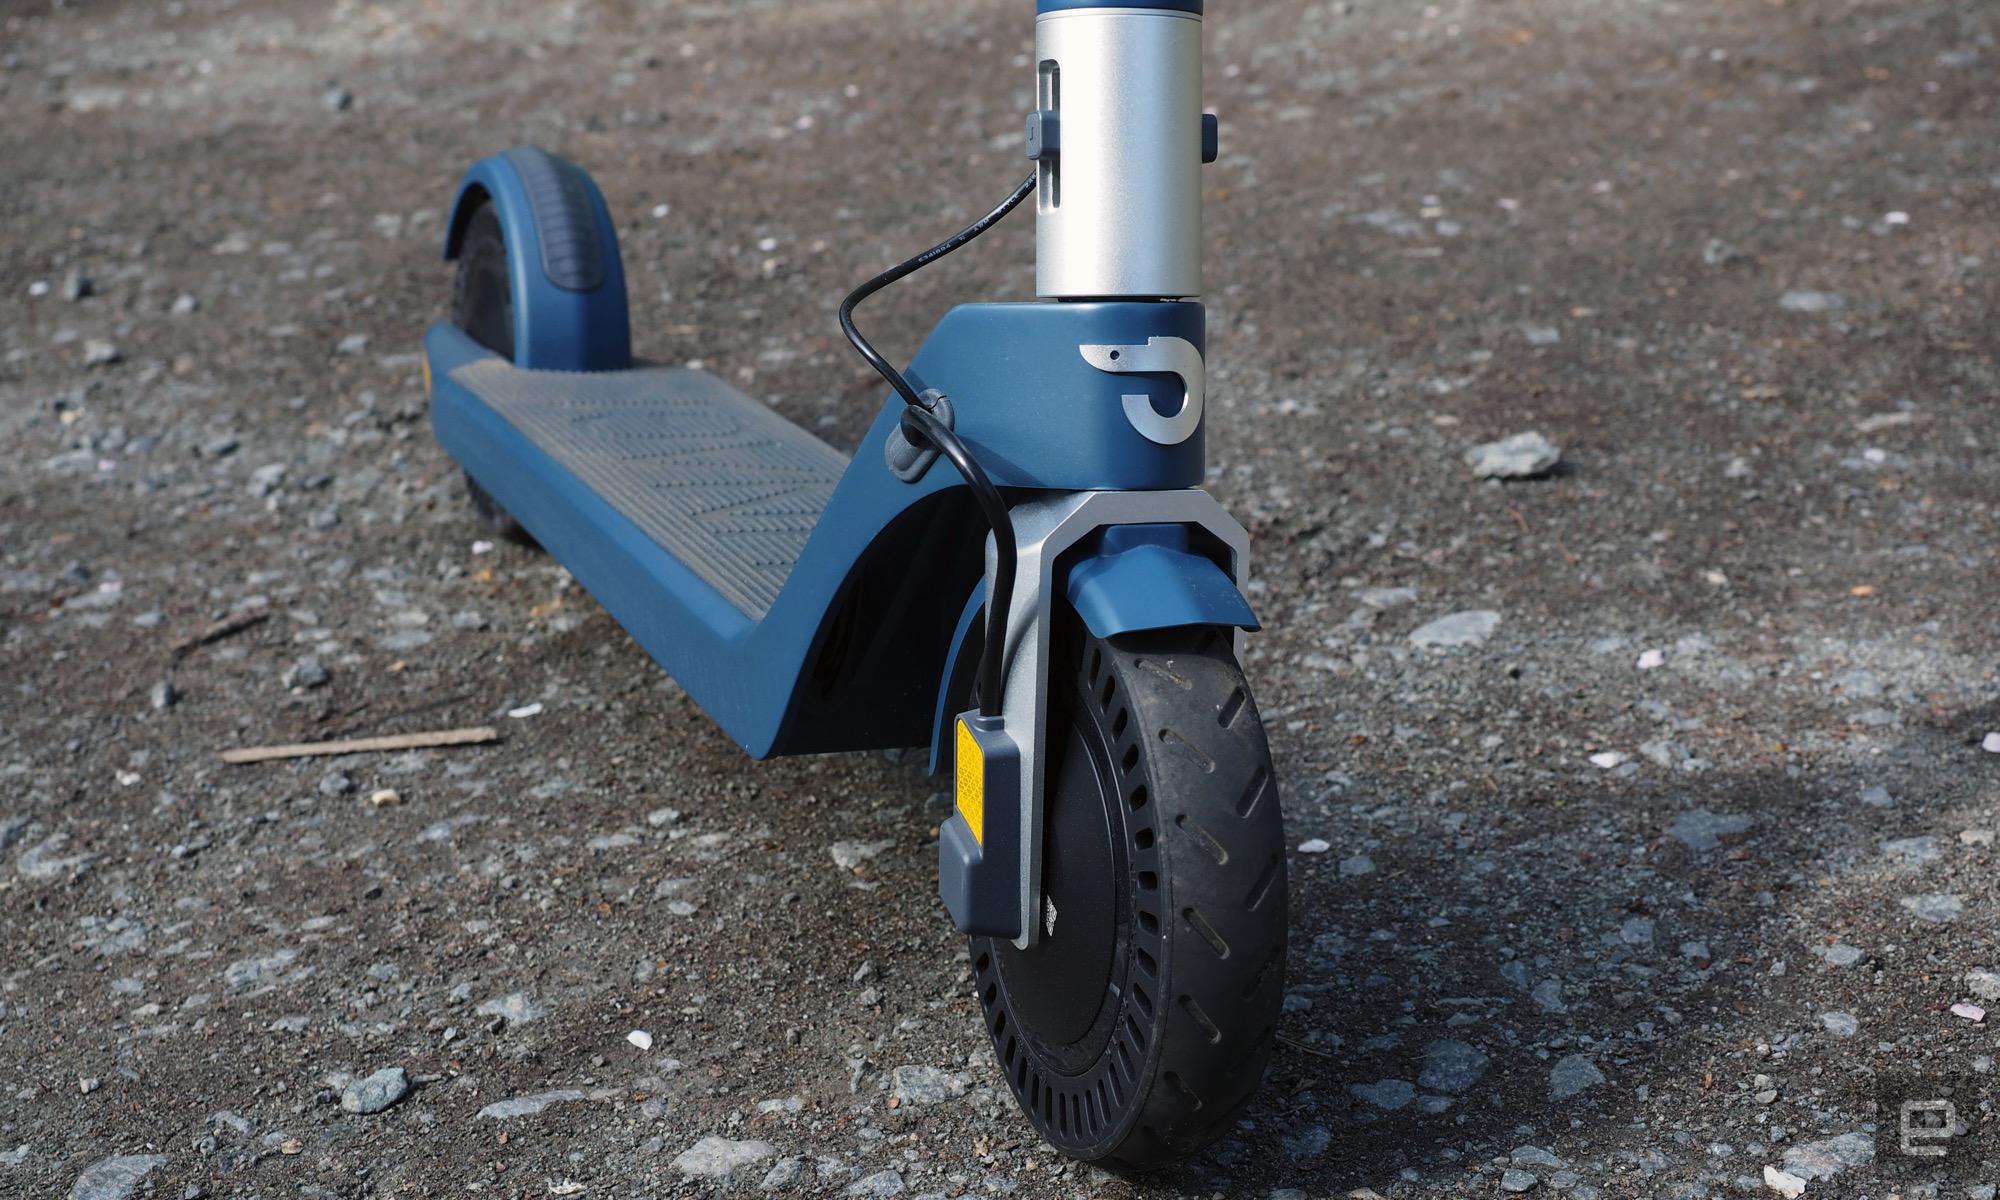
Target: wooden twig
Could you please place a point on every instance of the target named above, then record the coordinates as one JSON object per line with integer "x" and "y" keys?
{"x": 400, "y": 741}
{"x": 218, "y": 630}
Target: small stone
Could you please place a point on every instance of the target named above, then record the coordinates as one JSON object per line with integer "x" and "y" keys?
{"x": 784, "y": 1175}
{"x": 516, "y": 1008}
{"x": 1825, "y": 1159}
{"x": 1469, "y": 628}
{"x": 376, "y": 1092}
{"x": 660, "y": 818}
{"x": 266, "y": 479}
{"x": 1636, "y": 931}
{"x": 1840, "y": 954}
{"x": 99, "y": 353}
{"x": 1669, "y": 754}
{"x": 323, "y": 519}
{"x": 1535, "y": 1156}
{"x": 1840, "y": 1024}
{"x": 1309, "y": 1142}
{"x": 353, "y": 343}
{"x": 1571, "y": 1075}
{"x": 1704, "y": 830}
{"x": 1975, "y": 837}
{"x": 1933, "y": 906}
{"x": 1386, "y": 597}
{"x": 1697, "y": 951}
{"x": 1522, "y": 456}
{"x": 470, "y": 620}
{"x": 336, "y": 784}
{"x": 183, "y": 304}
{"x": 1806, "y": 300}
{"x": 1718, "y": 253}
{"x": 718, "y": 1158}
{"x": 1877, "y": 797}
{"x": 336, "y": 99}
{"x": 114, "y": 1178}
{"x": 384, "y": 798}
{"x": 528, "y": 1106}
{"x": 849, "y": 855}
{"x": 881, "y": 1183}
{"x": 1315, "y": 846}
{"x": 220, "y": 446}
{"x": 307, "y": 672}
{"x": 923, "y": 1085}
{"x": 1548, "y": 997}
{"x": 1451, "y": 1066}
{"x": 1359, "y": 864}
{"x": 1991, "y": 743}
{"x": 164, "y": 695}
{"x": 640, "y": 1038}
{"x": 1515, "y": 1180}
{"x": 1387, "y": 1094}
{"x": 76, "y": 285}
{"x": 1983, "y": 983}
{"x": 1786, "y": 1184}
{"x": 1915, "y": 850}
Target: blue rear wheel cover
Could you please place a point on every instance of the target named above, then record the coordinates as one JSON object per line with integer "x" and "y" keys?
{"x": 563, "y": 265}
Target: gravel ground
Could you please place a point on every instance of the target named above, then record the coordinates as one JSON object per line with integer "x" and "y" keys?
{"x": 1645, "y": 829}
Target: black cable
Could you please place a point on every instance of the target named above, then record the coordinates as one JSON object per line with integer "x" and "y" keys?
{"x": 992, "y": 687}
{"x": 918, "y": 423}
{"x": 907, "y": 266}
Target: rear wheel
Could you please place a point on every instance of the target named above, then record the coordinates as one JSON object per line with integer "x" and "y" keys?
{"x": 482, "y": 304}
{"x": 1136, "y": 1030}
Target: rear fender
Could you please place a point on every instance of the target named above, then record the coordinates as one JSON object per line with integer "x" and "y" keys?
{"x": 563, "y": 266}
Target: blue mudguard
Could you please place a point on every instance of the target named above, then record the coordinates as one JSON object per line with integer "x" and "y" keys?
{"x": 562, "y": 259}
{"x": 1128, "y": 578}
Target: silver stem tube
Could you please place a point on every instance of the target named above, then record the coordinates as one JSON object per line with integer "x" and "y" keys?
{"x": 1118, "y": 203}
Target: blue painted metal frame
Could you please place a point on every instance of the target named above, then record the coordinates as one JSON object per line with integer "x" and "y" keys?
{"x": 1032, "y": 410}
{"x": 554, "y": 329}
{"x": 1145, "y": 577}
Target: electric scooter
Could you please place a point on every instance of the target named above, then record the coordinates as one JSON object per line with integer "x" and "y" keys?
{"x": 1055, "y": 607}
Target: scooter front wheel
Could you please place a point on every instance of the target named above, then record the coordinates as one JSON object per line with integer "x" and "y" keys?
{"x": 1135, "y": 1031}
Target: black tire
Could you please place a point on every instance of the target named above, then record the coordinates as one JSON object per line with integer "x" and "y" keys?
{"x": 482, "y": 304}
{"x": 1136, "y": 1031}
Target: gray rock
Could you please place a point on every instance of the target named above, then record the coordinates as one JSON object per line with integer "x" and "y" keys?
{"x": 1535, "y": 1156}
{"x": 307, "y": 672}
{"x": 1359, "y": 864}
{"x": 336, "y": 99}
{"x": 1840, "y": 1024}
{"x": 1548, "y": 996}
{"x": 1451, "y": 1066}
{"x": 718, "y": 1158}
{"x": 470, "y": 620}
{"x": 266, "y": 479}
{"x": 528, "y": 1106}
{"x": 1825, "y": 1159}
{"x": 76, "y": 285}
{"x": 100, "y": 353}
{"x": 1514, "y": 1179}
{"x": 1387, "y": 597}
{"x": 1310, "y": 1142}
{"x": 164, "y": 695}
{"x": 263, "y": 971}
{"x": 1515, "y": 971}
{"x": 1806, "y": 300}
{"x": 1636, "y": 931}
{"x": 1571, "y": 1075}
{"x": 1914, "y": 850}
{"x": 1983, "y": 983}
{"x": 1522, "y": 456}
{"x": 1934, "y": 906}
{"x": 1877, "y": 797}
{"x": 376, "y": 1092}
{"x": 114, "y": 1178}
{"x": 924, "y": 1085}
{"x": 1840, "y": 954}
{"x": 1387, "y": 1094}
{"x": 1469, "y": 628}
{"x": 323, "y": 519}
{"x": 1669, "y": 754}
{"x": 881, "y": 1183}
{"x": 336, "y": 784}
{"x": 1704, "y": 830}
{"x": 785, "y": 1174}
{"x": 1697, "y": 951}
{"x": 516, "y": 1007}
{"x": 849, "y": 855}
{"x": 219, "y": 446}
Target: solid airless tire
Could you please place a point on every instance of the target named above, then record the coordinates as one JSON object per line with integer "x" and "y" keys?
{"x": 1136, "y": 1030}
{"x": 482, "y": 304}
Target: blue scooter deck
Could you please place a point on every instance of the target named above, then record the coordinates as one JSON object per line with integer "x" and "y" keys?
{"x": 729, "y": 488}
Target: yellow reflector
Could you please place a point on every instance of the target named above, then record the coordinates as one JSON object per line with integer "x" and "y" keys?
{"x": 971, "y": 783}
{"x": 427, "y": 375}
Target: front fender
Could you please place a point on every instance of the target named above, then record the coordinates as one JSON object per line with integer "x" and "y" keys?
{"x": 1134, "y": 577}
{"x": 563, "y": 268}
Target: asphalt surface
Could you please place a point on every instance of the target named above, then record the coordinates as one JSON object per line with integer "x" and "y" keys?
{"x": 1678, "y": 868}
